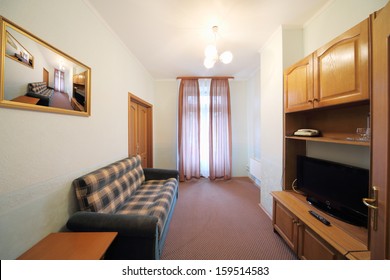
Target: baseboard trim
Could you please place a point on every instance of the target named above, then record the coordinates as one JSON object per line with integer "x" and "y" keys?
{"x": 262, "y": 208}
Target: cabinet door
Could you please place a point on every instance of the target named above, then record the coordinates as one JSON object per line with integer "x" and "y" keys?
{"x": 312, "y": 247}
{"x": 285, "y": 223}
{"x": 380, "y": 164}
{"x": 298, "y": 86}
{"x": 341, "y": 68}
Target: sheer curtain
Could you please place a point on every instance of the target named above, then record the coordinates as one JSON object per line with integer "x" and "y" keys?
{"x": 204, "y": 85}
{"x": 59, "y": 80}
{"x": 204, "y": 129}
{"x": 220, "y": 130}
{"x": 189, "y": 129}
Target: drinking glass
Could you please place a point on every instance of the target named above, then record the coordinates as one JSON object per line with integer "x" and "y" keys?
{"x": 364, "y": 133}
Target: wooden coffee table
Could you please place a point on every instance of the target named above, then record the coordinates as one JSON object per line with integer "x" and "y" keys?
{"x": 71, "y": 246}
{"x": 26, "y": 99}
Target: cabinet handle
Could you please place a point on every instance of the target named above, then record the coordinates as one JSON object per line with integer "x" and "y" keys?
{"x": 316, "y": 100}
{"x": 296, "y": 222}
{"x": 372, "y": 203}
{"x": 310, "y": 101}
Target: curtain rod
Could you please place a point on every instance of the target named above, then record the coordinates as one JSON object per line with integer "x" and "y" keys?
{"x": 204, "y": 77}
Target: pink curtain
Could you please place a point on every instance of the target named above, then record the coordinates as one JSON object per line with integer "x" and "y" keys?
{"x": 62, "y": 81}
{"x": 220, "y": 130}
{"x": 189, "y": 132}
{"x": 59, "y": 80}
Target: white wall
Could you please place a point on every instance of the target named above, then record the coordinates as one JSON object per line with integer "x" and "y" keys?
{"x": 253, "y": 115}
{"x": 41, "y": 153}
{"x": 165, "y": 124}
{"x": 238, "y": 92}
{"x": 338, "y": 16}
{"x": 283, "y": 48}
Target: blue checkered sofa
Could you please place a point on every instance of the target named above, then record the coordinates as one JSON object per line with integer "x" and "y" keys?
{"x": 136, "y": 202}
{"x": 42, "y": 91}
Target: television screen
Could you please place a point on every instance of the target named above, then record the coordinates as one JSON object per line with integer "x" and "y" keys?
{"x": 335, "y": 188}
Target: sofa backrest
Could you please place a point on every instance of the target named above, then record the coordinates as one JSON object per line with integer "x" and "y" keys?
{"x": 104, "y": 190}
{"x": 37, "y": 87}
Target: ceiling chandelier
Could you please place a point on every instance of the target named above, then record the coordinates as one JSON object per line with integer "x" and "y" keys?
{"x": 211, "y": 53}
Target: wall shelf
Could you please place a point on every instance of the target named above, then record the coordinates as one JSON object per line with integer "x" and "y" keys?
{"x": 337, "y": 138}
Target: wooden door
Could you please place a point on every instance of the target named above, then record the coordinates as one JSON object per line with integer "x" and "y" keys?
{"x": 298, "y": 86}
{"x": 46, "y": 76}
{"x": 140, "y": 130}
{"x": 380, "y": 165}
{"x": 341, "y": 69}
{"x": 133, "y": 129}
{"x": 143, "y": 133}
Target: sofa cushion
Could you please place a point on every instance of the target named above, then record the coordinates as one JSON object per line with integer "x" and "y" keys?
{"x": 153, "y": 198}
{"x": 37, "y": 87}
{"x": 106, "y": 189}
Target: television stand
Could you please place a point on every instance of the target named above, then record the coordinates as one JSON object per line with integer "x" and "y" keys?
{"x": 309, "y": 238}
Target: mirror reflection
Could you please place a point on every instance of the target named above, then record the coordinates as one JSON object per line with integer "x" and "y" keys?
{"x": 39, "y": 77}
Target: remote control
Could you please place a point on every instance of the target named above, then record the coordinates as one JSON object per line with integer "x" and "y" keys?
{"x": 320, "y": 218}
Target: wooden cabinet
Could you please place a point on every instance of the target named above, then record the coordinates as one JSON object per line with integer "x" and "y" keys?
{"x": 79, "y": 79}
{"x": 337, "y": 73}
{"x": 78, "y": 100}
{"x": 328, "y": 91}
{"x": 308, "y": 237}
{"x": 347, "y": 94}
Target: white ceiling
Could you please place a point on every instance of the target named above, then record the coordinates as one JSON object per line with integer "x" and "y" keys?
{"x": 169, "y": 36}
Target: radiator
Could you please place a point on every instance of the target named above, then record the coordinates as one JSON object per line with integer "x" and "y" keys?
{"x": 255, "y": 168}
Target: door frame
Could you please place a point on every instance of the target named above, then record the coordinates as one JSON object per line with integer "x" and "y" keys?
{"x": 380, "y": 147}
{"x": 149, "y": 107}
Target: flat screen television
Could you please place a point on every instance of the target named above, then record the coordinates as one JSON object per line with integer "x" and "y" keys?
{"x": 334, "y": 188}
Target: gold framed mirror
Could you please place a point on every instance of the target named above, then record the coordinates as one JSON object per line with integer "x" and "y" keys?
{"x": 37, "y": 76}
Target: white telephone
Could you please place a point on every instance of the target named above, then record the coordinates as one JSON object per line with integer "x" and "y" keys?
{"x": 307, "y": 132}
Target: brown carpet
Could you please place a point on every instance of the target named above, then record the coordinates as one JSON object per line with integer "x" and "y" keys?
{"x": 60, "y": 100}
{"x": 222, "y": 220}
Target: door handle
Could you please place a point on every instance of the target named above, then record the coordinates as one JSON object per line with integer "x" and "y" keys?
{"x": 372, "y": 203}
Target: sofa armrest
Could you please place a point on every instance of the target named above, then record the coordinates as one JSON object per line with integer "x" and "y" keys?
{"x": 125, "y": 225}
{"x": 160, "y": 174}
{"x": 137, "y": 237}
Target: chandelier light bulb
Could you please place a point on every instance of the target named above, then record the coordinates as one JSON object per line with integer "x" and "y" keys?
{"x": 226, "y": 57}
{"x": 211, "y": 51}
{"x": 208, "y": 62}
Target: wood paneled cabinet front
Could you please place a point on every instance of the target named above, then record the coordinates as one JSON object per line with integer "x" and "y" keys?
{"x": 341, "y": 68}
{"x": 313, "y": 247}
{"x": 336, "y": 73}
{"x": 286, "y": 224}
{"x": 298, "y": 86}
{"x": 300, "y": 238}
